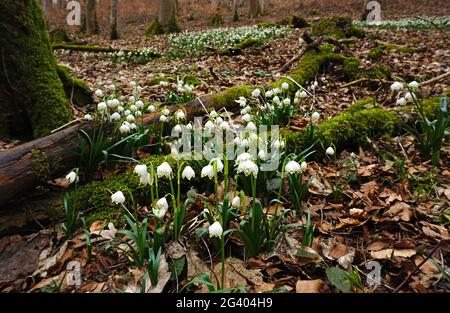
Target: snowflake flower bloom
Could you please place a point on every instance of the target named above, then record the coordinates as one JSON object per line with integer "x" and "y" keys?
{"x": 72, "y": 177}
{"x": 414, "y": 85}
{"x": 401, "y": 101}
{"x": 330, "y": 151}
{"x": 397, "y": 86}
{"x": 180, "y": 115}
{"x": 88, "y": 117}
{"x": 285, "y": 86}
{"x": 188, "y": 173}
{"x": 102, "y": 106}
{"x": 256, "y": 93}
{"x": 248, "y": 168}
{"x": 118, "y": 198}
{"x": 115, "y": 116}
{"x": 164, "y": 170}
{"x": 315, "y": 117}
{"x": 215, "y": 230}
{"x": 292, "y": 167}
{"x": 208, "y": 171}
{"x": 99, "y": 93}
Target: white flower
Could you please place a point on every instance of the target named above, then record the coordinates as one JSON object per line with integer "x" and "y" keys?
{"x": 224, "y": 126}
{"x": 188, "y": 173}
{"x": 296, "y": 100}
{"x": 180, "y": 115}
{"x": 304, "y": 166}
{"x": 177, "y": 129}
{"x": 303, "y": 94}
{"x": 253, "y": 137}
{"x": 401, "y": 101}
{"x": 127, "y": 112}
{"x": 140, "y": 169}
{"x": 413, "y": 85}
{"x": 163, "y": 83}
{"x": 330, "y": 151}
{"x": 159, "y": 212}
{"x": 132, "y": 99}
{"x": 251, "y": 126}
{"x": 131, "y": 118}
{"x": 209, "y": 126}
{"x": 316, "y": 84}
{"x": 189, "y": 126}
{"x": 277, "y": 91}
{"x": 112, "y": 87}
{"x": 165, "y": 111}
{"x": 276, "y": 144}
{"x": 269, "y": 94}
{"x": 138, "y": 113}
{"x": 115, "y": 116}
{"x": 219, "y": 164}
{"x": 219, "y": 120}
{"x": 243, "y": 157}
{"x": 315, "y": 117}
{"x": 287, "y": 101}
{"x": 215, "y": 230}
{"x": 285, "y": 86}
{"x": 162, "y": 203}
{"x": 409, "y": 96}
{"x": 397, "y": 86}
{"x": 277, "y": 100}
{"x": 102, "y": 106}
{"x": 99, "y": 93}
{"x": 139, "y": 104}
{"x": 120, "y": 109}
{"x": 163, "y": 118}
{"x": 151, "y": 108}
{"x": 292, "y": 167}
{"x": 145, "y": 179}
{"x": 243, "y": 143}
{"x": 72, "y": 177}
{"x": 133, "y": 108}
{"x": 213, "y": 114}
{"x": 118, "y": 198}
{"x": 132, "y": 83}
{"x": 246, "y": 118}
{"x": 164, "y": 170}
{"x": 236, "y": 203}
{"x": 208, "y": 171}
{"x": 262, "y": 155}
{"x": 248, "y": 168}
{"x": 256, "y": 93}
{"x": 124, "y": 129}
{"x": 88, "y": 117}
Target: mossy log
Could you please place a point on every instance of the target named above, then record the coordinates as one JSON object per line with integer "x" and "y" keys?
{"x": 32, "y": 98}
{"x": 16, "y": 170}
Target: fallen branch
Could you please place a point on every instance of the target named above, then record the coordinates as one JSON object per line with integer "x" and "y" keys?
{"x": 438, "y": 78}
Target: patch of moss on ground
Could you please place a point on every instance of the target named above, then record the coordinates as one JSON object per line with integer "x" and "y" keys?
{"x": 350, "y": 128}
{"x": 351, "y": 68}
{"x": 339, "y": 27}
{"x": 76, "y": 89}
{"x": 380, "y": 50}
{"x": 236, "y": 49}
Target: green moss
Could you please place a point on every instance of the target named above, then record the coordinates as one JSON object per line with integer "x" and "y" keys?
{"x": 42, "y": 167}
{"x": 76, "y": 89}
{"x": 157, "y": 29}
{"x": 350, "y": 68}
{"x": 340, "y": 27}
{"x": 350, "y": 128}
{"x": 30, "y": 90}
{"x": 268, "y": 24}
{"x": 298, "y": 22}
{"x": 228, "y": 96}
{"x": 381, "y": 72}
{"x": 378, "y": 52}
{"x": 237, "y": 49}
{"x": 95, "y": 196}
{"x": 154, "y": 29}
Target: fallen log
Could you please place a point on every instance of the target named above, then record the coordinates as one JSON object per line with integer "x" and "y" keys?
{"x": 17, "y": 169}
{"x": 16, "y": 164}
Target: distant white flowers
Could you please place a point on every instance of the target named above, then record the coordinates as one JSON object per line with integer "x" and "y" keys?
{"x": 215, "y": 230}
{"x": 118, "y": 198}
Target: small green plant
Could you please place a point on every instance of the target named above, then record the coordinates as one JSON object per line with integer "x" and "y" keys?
{"x": 343, "y": 280}
{"x": 72, "y": 218}
{"x": 308, "y": 231}
{"x": 429, "y": 134}
{"x": 153, "y": 265}
{"x": 138, "y": 248}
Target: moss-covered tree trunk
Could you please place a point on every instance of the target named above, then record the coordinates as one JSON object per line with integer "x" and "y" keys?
{"x": 32, "y": 99}
{"x": 166, "y": 21}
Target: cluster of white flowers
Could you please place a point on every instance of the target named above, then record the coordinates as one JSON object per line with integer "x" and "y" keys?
{"x": 221, "y": 38}
{"x": 293, "y": 167}
{"x": 441, "y": 22}
{"x": 408, "y": 96}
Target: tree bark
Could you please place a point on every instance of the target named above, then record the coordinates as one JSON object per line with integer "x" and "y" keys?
{"x": 91, "y": 17}
{"x": 114, "y": 31}
{"x": 235, "y": 12}
{"x": 32, "y": 98}
{"x": 254, "y": 8}
{"x": 166, "y": 21}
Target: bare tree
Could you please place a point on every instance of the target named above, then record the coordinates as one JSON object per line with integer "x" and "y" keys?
{"x": 235, "y": 12}
{"x": 91, "y": 17}
{"x": 166, "y": 21}
{"x": 114, "y": 31}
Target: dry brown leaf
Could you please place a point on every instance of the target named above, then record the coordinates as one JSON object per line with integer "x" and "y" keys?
{"x": 387, "y": 254}
{"x": 309, "y": 286}
{"x": 400, "y": 211}
{"x": 376, "y": 246}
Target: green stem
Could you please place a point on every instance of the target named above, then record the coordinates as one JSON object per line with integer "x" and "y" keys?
{"x": 222, "y": 253}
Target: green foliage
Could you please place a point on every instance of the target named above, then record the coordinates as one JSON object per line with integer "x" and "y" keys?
{"x": 350, "y": 68}
{"x": 72, "y": 218}
{"x": 59, "y": 35}
{"x": 41, "y": 166}
{"x": 344, "y": 280}
{"x": 377, "y": 52}
{"x": 30, "y": 79}
{"x": 153, "y": 265}
{"x": 137, "y": 242}
{"x": 76, "y": 89}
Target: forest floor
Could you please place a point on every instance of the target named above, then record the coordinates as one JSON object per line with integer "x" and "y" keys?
{"x": 396, "y": 212}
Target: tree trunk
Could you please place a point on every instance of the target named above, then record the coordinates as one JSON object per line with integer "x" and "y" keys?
{"x": 166, "y": 21}
{"x": 91, "y": 17}
{"x": 235, "y": 12}
{"x": 254, "y": 8}
{"x": 114, "y": 32}
{"x": 32, "y": 99}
